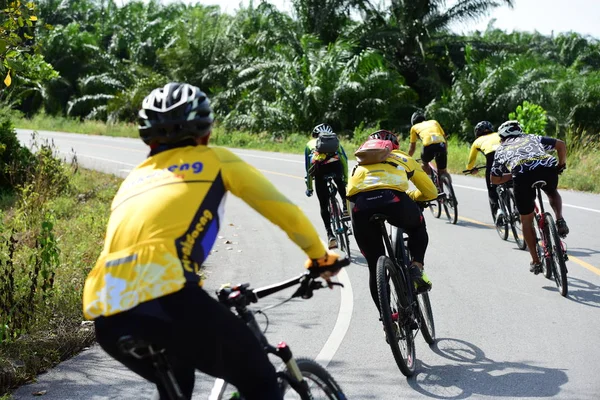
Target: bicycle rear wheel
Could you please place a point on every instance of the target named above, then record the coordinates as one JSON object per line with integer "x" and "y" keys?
{"x": 339, "y": 227}
{"x": 435, "y": 206}
{"x": 426, "y": 318}
{"x": 541, "y": 248}
{"x": 450, "y": 202}
{"x": 515, "y": 220}
{"x": 393, "y": 305}
{"x": 501, "y": 224}
{"x": 558, "y": 258}
{"x": 321, "y": 384}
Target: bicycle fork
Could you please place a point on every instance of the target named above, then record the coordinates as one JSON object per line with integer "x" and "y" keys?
{"x": 297, "y": 381}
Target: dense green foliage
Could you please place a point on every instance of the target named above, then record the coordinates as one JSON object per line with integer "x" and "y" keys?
{"x": 347, "y": 62}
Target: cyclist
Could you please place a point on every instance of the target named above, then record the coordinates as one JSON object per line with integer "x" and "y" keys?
{"x": 523, "y": 159}
{"x": 382, "y": 188}
{"x": 319, "y": 164}
{"x": 487, "y": 141}
{"x": 434, "y": 143}
{"x": 164, "y": 221}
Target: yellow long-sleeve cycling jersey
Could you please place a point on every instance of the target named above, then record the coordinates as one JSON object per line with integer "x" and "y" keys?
{"x": 165, "y": 219}
{"x": 394, "y": 174}
{"x": 430, "y": 132}
{"x": 485, "y": 144}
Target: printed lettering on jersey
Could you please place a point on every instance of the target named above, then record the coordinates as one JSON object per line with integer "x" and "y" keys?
{"x": 187, "y": 245}
{"x": 196, "y": 167}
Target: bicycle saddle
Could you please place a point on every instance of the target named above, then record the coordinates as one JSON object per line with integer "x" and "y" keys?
{"x": 539, "y": 184}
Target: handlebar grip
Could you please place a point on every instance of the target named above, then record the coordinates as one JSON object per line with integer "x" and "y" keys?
{"x": 317, "y": 270}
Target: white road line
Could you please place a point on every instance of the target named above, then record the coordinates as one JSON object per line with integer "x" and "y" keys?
{"x": 342, "y": 324}
{"x": 267, "y": 158}
{"x": 469, "y": 187}
{"x": 98, "y": 158}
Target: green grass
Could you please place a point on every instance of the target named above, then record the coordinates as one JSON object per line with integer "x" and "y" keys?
{"x": 583, "y": 164}
{"x": 79, "y": 216}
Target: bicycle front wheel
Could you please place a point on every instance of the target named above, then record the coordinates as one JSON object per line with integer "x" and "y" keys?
{"x": 450, "y": 202}
{"x": 426, "y": 318}
{"x": 340, "y": 227}
{"x": 319, "y": 383}
{"x": 392, "y": 297}
{"x": 558, "y": 257}
{"x": 515, "y": 220}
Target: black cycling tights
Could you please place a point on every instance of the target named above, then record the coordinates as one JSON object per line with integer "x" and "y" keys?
{"x": 402, "y": 212}
{"x": 323, "y": 194}
{"x": 201, "y": 334}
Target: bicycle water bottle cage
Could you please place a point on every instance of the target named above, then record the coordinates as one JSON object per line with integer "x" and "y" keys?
{"x": 539, "y": 184}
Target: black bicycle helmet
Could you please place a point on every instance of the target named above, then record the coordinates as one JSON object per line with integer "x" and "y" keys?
{"x": 321, "y": 128}
{"x": 417, "y": 117}
{"x": 510, "y": 128}
{"x": 483, "y": 128}
{"x": 173, "y": 113}
{"x": 382, "y": 134}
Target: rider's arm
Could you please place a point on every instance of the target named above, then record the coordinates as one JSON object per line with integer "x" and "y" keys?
{"x": 499, "y": 173}
{"x": 246, "y": 182}
{"x": 473, "y": 155}
{"x": 425, "y": 190}
{"x": 344, "y": 160}
{"x": 557, "y": 144}
{"x": 413, "y": 141}
{"x": 307, "y": 166}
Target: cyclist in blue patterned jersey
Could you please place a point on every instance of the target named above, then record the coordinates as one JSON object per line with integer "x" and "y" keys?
{"x": 523, "y": 159}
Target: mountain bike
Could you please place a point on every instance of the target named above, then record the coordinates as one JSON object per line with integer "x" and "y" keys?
{"x": 339, "y": 224}
{"x": 448, "y": 200}
{"x": 549, "y": 246}
{"x": 301, "y": 378}
{"x": 510, "y": 215}
{"x": 403, "y": 311}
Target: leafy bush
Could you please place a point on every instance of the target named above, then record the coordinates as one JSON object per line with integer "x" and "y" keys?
{"x": 14, "y": 158}
{"x": 532, "y": 118}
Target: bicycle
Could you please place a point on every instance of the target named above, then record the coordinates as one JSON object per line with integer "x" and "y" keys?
{"x": 510, "y": 215}
{"x": 299, "y": 379}
{"x": 448, "y": 200}
{"x": 402, "y": 310}
{"x": 339, "y": 224}
{"x": 549, "y": 246}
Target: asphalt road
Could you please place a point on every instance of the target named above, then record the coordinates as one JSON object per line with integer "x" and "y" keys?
{"x": 502, "y": 332}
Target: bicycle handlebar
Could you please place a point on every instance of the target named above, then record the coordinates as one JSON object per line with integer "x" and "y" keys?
{"x": 242, "y": 295}
{"x": 477, "y": 168}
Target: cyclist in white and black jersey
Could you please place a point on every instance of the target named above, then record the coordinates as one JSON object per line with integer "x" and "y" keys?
{"x": 523, "y": 159}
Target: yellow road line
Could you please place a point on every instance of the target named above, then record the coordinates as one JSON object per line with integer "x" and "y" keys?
{"x": 474, "y": 221}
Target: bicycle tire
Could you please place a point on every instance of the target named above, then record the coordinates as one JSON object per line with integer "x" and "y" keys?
{"x": 395, "y": 331}
{"x": 450, "y": 203}
{"x": 315, "y": 373}
{"x": 559, "y": 269}
{"x": 435, "y": 206}
{"x": 539, "y": 243}
{"x": 502, "y": 229}
{"x": 515, "y": 220}
{"x": 339, "y": 227}
{"x": 426, "y": 318}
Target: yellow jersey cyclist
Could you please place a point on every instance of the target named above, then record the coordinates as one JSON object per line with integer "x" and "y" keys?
{"x": 523, "y": 159}
{"x": 383, "y": 188}
{"x": 324, "y": 155}
{"x": 434, "y": 143}
{"x": 486, "y": 142}
{"x": 164, "y": 221}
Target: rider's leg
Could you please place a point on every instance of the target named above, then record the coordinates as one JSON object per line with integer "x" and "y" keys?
{"x": 441, "y": 161}
{"x": 368, "y": 239}
{"x": 525, "y": 204}
{"x": 426, "y": 156}
{"x": 551, "y": 178}
{"x": 407, "y": 215}
{"x": 492, "y": 193}
{"x": 341, "y": 186}
{"x": 323, "y": 196}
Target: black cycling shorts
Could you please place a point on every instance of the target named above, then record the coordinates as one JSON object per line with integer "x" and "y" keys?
{"x": 525, "y": 194}
{"x": 439, "y": 151}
